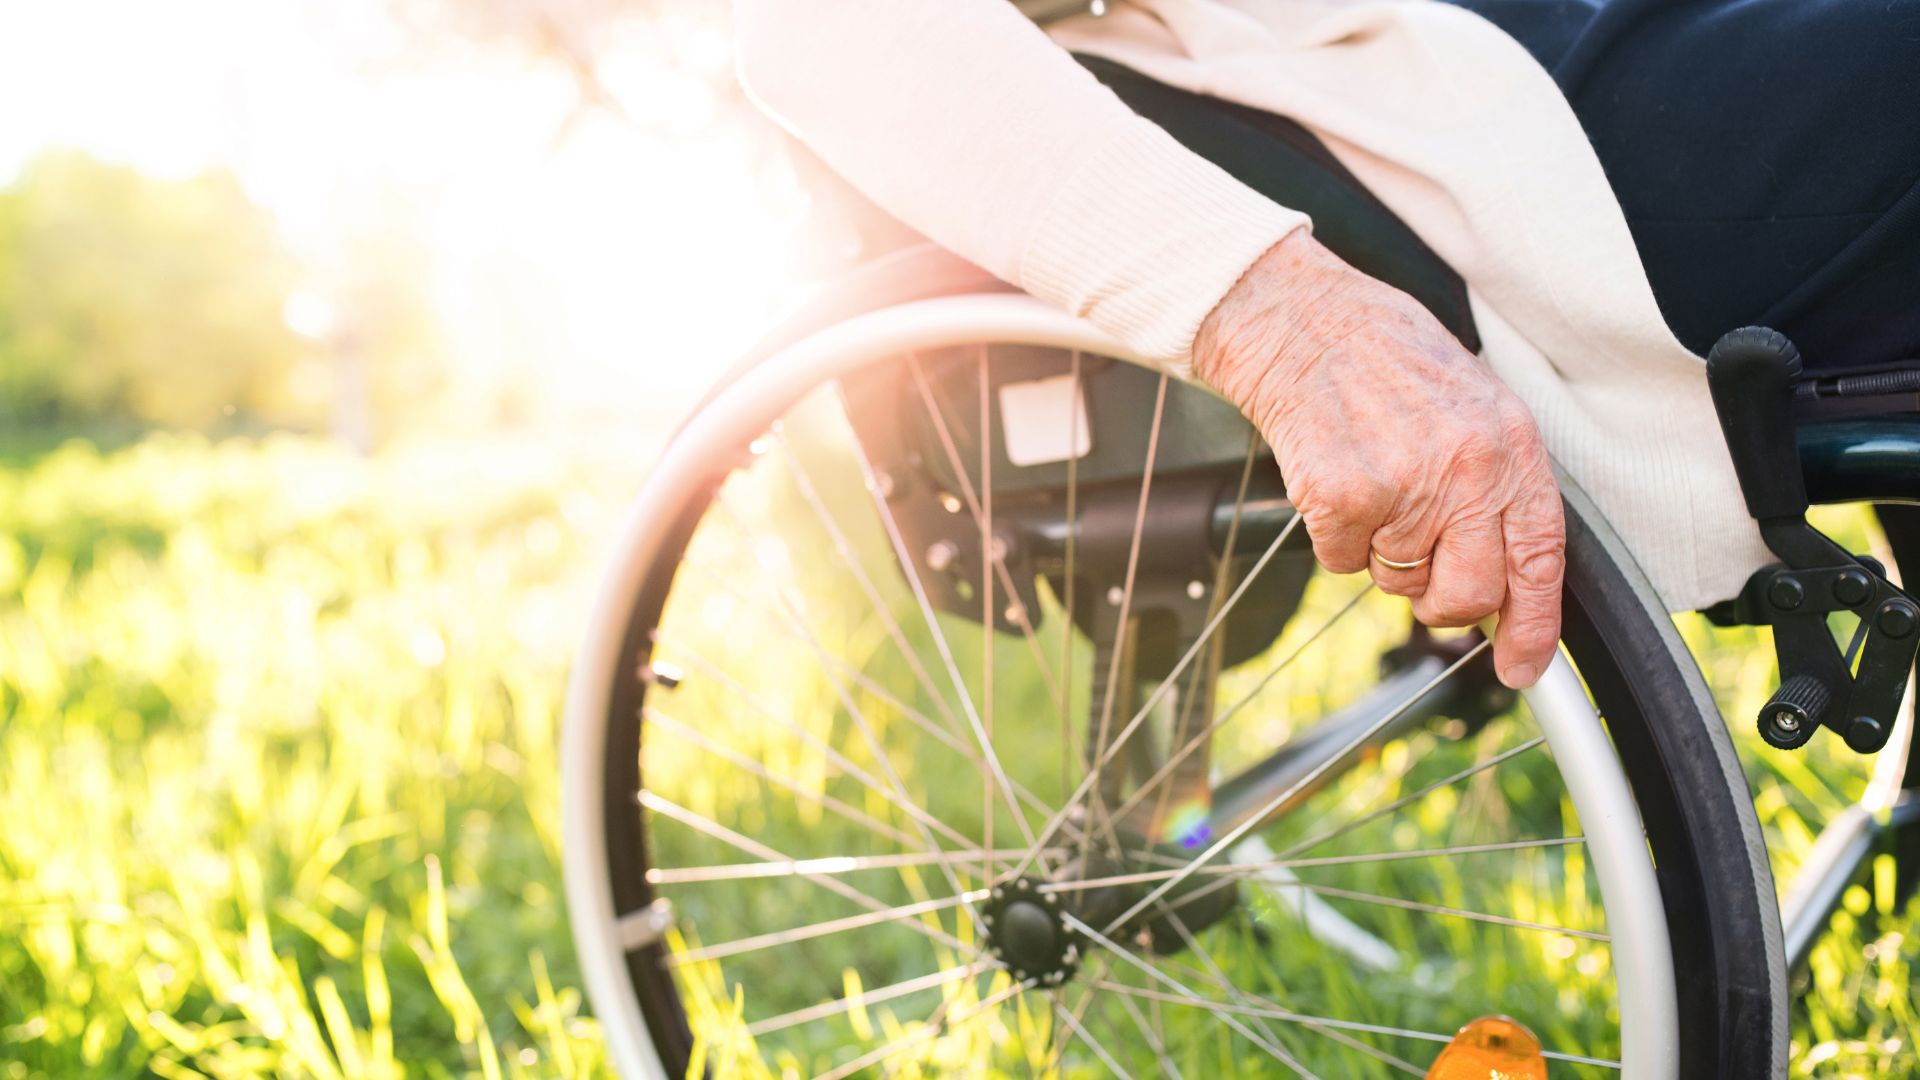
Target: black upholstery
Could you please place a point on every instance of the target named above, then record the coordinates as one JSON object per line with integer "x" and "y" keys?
{"x": 1283, "y": 161}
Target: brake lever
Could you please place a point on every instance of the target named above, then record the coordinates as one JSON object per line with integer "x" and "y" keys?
{"x": 1751, "y": 374}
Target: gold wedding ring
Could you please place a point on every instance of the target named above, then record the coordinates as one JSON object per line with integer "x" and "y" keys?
{"x": 1391, "y": 565}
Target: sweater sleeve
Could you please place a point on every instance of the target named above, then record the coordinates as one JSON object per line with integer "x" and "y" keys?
{"x": 961, "y": 118}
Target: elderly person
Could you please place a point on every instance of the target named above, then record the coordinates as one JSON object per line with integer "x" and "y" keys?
{"x": 1613, "y": 183}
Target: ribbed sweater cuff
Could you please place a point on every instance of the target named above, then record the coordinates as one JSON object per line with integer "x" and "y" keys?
{"x": 1144, "y": 239}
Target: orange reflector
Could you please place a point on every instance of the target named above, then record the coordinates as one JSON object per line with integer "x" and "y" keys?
{"x": 1491, "y": 1048}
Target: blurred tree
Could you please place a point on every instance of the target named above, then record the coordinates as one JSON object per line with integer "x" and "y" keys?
{"x": 129, "y": 298}
{"x": 130, "y": 301}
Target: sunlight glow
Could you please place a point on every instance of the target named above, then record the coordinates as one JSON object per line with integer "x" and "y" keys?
{"x": 606, "y": 264}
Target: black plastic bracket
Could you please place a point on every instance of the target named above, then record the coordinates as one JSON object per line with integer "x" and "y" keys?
{"x": 1752, "y": 373}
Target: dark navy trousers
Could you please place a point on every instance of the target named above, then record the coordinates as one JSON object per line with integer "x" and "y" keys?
{"x": 1766, "y": 152}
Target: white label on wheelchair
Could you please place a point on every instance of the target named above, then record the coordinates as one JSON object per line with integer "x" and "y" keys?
{"x": 1044, "y": 420}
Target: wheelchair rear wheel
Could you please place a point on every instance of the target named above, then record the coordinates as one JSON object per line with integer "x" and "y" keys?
{"x": 964, "y": 698}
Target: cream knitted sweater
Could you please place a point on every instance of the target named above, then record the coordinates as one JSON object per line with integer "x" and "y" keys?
{"x": 965, "y": 121}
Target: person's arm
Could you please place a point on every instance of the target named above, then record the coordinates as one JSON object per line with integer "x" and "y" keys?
{"x": 965, "y": 121}
{"x": 962, "y": 119}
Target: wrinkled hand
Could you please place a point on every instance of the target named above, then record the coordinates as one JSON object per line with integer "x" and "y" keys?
{"x": 1395, "y": 440}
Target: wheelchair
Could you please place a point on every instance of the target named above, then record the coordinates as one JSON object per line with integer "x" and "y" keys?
{"x": 964, "y": 698}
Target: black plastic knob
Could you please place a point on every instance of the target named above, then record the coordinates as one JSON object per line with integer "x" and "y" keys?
{"x": 1793, "y": 713}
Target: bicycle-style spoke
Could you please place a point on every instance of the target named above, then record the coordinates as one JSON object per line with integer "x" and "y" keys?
{"x": 843, "y": 548}
{"x": 981, "y": 510}
{"x": 1276, "y": 1013}
{"x": 1079, "y": 1008}
{"x": 1068, "y": 753}
{"x": 799, "y": 790}
{"x": 1149, "y": 1034}
{"x": 829, "y": 864}
{"x": 1205, "y": 674}
{"x": 959, "y": 744}
{"x": 1204, "y": 639}
{"x": 826, "y": 928}
{"x": 1092, "y": 778}
{"x": 950, "y": 736}
{"x": 1279, "y": 1054}
{"x": 934, "y": 1026}
{"x": 885, "y": 760}
{"x": 1200, "y": 739}
{"x": 913, "y": 810}
{"x": 877, "y": 995}
{"x": 1218, "y": 977}
{"x": 1233, "y": 835}
{"x": 1276, "y": 872}
{"x": 1258, "y": 1008}
{"x": 1407, "y": 800}
{"x": 989, "y": 560}
{"x": 1237, "y": 871}
{"x": 825, "y": 660}
{"x": 1080, "y": 1031}
{"x": 1123, "y": 630}
{"x": 996, "y": 770}
{"x": 701, "y": 823}
{"x": 784, "y": 620}
{"x": 1413, "y": 853}
{"x": 711, "y": 828}
{"x": 1437, "y": 909}
{"x": 1581, "y": 1059}
{"x": 1268, "y": 1012}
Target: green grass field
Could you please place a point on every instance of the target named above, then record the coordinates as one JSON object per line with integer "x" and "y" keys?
{"x": 278, "y": 771}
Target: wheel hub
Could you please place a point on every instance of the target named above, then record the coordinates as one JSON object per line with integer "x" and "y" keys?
{"x": 1028, "y": 932}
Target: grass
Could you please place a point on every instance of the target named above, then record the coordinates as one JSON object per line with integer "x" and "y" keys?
{"x": 279, "y": 789}
{"x": 279, "y": 764}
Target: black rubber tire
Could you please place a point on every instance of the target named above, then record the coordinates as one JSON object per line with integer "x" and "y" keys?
{"x": 1722, "y": 911}
{"x": 1711, "y": 863}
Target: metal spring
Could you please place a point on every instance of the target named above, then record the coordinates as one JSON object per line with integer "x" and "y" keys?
{"x": 1905, "y": 381}
{"x": 1879, "y": 382}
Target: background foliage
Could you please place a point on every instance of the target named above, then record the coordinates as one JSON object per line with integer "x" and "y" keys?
{"x": 153, "y": 301}
{"x": 128, "y": 302}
